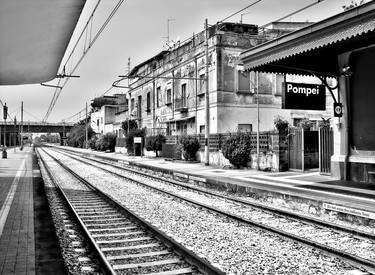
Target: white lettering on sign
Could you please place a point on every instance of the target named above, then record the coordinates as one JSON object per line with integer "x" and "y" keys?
{"x": 349, "y": 210}
{"x": 302, "y": 90}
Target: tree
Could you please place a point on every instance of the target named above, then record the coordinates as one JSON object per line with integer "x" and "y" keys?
{"x": 133, "y": 125}
{"x": 129, "y": 138}
{"x": 76, "y": 136}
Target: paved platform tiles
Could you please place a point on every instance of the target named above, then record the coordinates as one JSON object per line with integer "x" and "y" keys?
{"x": 28, "y": 243}
{"x": 309, "y": 185}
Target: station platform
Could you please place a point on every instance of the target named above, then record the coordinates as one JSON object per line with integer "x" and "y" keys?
{"x": 28, "y": 242}
{"x": 308, "y": 190}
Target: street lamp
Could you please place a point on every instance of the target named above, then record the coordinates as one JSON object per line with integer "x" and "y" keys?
{"x": 5, "y": 114}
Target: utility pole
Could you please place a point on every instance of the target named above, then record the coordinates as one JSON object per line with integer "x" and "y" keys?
{"x": 15, "y": 133}
{"x": 64, "y": 134}
{"x": 21, "y": 143}
{"x": 129, "y": 100}
{"x": 207, "y": 103}
{"x": 258, "y": 149}
{"x": 86, "y": 131}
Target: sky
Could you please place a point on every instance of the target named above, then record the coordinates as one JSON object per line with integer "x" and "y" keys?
{"x": 138, "y": 30}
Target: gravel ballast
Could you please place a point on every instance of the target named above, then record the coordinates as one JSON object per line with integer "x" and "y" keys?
{"x": 236, "y": 248}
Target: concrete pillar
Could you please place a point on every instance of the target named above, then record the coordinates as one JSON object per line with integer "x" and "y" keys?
{"x": 339, "y": 160}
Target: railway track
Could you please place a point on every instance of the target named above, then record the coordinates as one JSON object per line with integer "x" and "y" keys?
{"x": 123, "y": 242}
{"x": 356, "y": 247}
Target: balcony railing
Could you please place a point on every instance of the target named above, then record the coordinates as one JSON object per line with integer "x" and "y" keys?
{"x": 181, "y": 105}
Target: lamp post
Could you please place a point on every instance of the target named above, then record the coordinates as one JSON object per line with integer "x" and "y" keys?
{"x": 86, "y": 131}
{"x": 5, "y": 114}
{"x": 15, "y": 133}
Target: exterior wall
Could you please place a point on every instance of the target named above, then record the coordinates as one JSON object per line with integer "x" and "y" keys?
{"x": 109, "y": 115}
{"x": 95, "y": 117}
{"x": 106, "y": 117}
{"x": 233, "y": 93}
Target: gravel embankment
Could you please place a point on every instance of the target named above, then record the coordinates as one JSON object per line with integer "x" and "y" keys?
{"x": 60, "y": 215}
{"x": 343, "y": 242}
{"x": 300, "y": 208}
{"x": 235, "y": 247}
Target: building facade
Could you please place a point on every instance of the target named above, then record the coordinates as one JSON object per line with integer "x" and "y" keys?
{"x": 167, "y": 92}
{"x": 105, "y": 110}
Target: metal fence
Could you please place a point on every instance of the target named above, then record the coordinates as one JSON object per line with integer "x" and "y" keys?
{"x": 216, "y": 140}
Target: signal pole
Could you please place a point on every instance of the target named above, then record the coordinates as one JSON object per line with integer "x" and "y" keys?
{"x": 86, "y": 130}
{"x": 207, "y": 103}
{"x": 258, "y": 120}
{"x": 15, "y": 133}
{"x": 129, "y": 96}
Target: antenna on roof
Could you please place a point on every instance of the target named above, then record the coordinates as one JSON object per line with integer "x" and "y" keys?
{"x": 167, "y": 43}
{"x": 128, "y": 64}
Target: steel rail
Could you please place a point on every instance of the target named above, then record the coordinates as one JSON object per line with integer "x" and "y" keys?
{"x": 270, "y": 209}
{"x": 102, "y": 259}
{"x": 353, "y": 259}
{"x": 190, "y": 257}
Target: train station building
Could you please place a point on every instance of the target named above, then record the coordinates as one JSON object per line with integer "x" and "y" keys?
{"x": 341, "y": 47}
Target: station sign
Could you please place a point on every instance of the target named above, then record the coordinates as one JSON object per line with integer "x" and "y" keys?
{"x": 304, "y": 96}
{"x": 137, "y": 140}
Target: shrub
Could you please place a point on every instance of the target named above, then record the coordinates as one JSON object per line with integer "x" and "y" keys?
{"x": 190, "y": 146}
{"x": 281, "y": 124}
{"x": 306, "y": 124}
{"x": 109, "y": 141}
{"x": 92, "y": 142}
{"x": 103, "y": 143}
{"x": 129, "y": 138}
{"x": 154, "y": 143}
{"x": 237, "y": 148}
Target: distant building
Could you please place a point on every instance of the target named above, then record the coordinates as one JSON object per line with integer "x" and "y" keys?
{"x": 104, "y": 111}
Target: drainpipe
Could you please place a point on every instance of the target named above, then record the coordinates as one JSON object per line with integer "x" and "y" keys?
{"x": 153, "y": 106}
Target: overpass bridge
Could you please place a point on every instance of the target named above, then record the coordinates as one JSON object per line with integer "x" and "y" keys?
{"x": 12, "y": 131}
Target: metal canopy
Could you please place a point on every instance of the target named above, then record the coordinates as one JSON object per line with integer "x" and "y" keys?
{"x": 34, "y": 35}
{"x": 313, "y": 50}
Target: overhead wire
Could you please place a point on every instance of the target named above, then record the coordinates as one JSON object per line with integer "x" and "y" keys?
{"x": 30, "y": 114}
{"x": 97, "y": 35}
{"x": 237, "y": 12}
{"x": 293, "y": 13}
